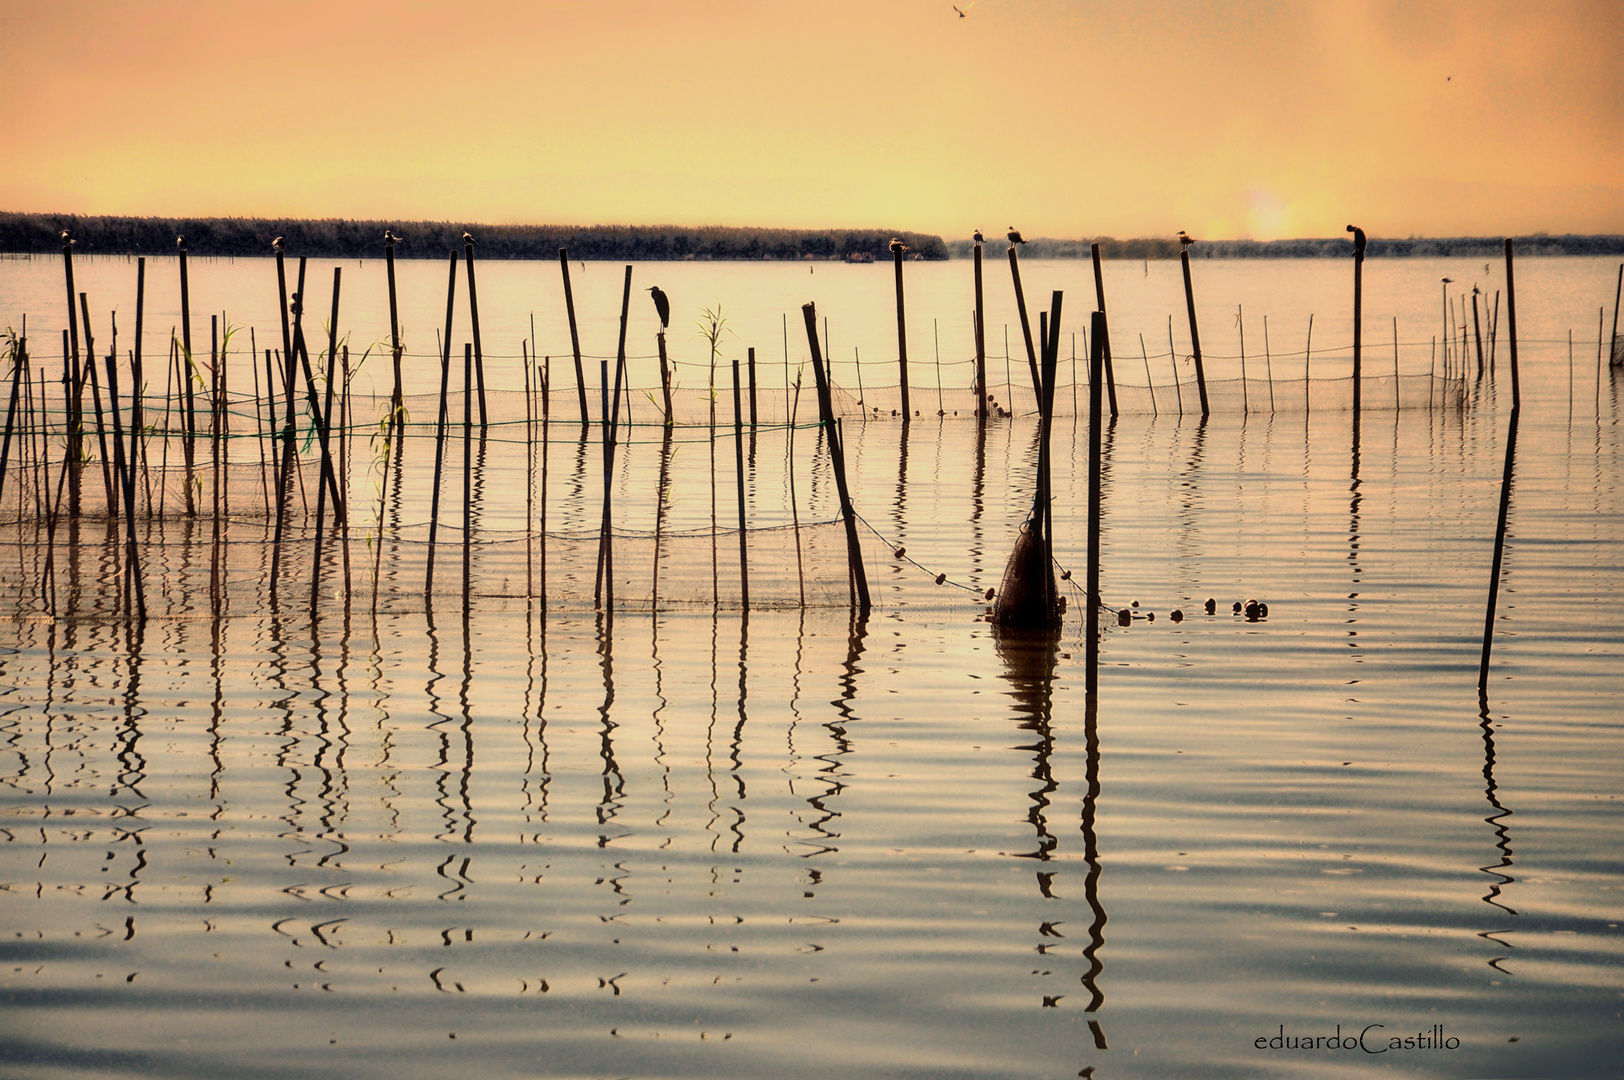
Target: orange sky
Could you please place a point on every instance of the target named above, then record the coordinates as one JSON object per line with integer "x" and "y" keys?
{"x": 1242, "y": 118}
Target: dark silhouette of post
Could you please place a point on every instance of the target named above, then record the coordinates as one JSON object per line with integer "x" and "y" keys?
{"x": 395, "y": 348}
{"x": 1614, "y": 357}
{"x": 665, "y": 376}
{"x": 902, "y": 332}
{"x": 473, "y": 317}
{"x": 575, "y": 336}
{"x": 1026, "y": 330}
{"x": 1091, "y": 620}
{"x": 1099, "y": 298}
{"x": 1358, "y": 312}
{"x": 752, "y": 370}
{"x": 1499, "y": 539}
{"x": 1195, "y": 333}
{"x": 439, "y": 429}
{"x": 738, "y": 475}
{"x": 854, "y": 553}
{"x": 981, "y": 344}
{"x": 1511, "y": 324}
{"x": 1477, "y": 332}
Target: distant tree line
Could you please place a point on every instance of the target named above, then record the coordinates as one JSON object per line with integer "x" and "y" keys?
{"x": 1157, "y": 247}
{"x": 345, "y": 238}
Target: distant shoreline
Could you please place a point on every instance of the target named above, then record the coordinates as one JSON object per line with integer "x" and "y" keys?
{"x": 40, "y": 234}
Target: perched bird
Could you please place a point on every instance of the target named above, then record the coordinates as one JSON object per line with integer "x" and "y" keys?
{"x": 67, "y": 238}
{"x": 1014, "y": 236}
{"x": 276, "y": 244}
{"x": 979, "y": 239}
{"x": 468, "y": 238}
{"x": 1185, "y": 239}
{"x": 389, "y": 238}
{"x": 897, "y": 246}
{"x": 1447, "y": 280}
{"x": 180, "y": 242}
{"x": 661, "y": 305}
{"x": 1358, "y": 241}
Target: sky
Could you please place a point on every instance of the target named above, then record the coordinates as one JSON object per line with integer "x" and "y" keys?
{"x": 1230, "y": 119}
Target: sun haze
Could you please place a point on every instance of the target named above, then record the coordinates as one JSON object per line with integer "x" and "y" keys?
{"x": 1250, "y": 119}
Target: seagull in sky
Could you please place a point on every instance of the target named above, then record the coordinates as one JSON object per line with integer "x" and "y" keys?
{"x": 662, "y": 305}
{"x": 956, "y": 8}
{"x": 1014, "y": 236}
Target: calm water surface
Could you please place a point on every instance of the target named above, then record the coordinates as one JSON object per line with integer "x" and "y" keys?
{"x": 550, "y": 842}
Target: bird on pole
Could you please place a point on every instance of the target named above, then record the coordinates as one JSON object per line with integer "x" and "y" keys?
{"x": 276, "y": 244}
{"x": 389, "y": 238}
{"x": 897, "y": 246}
{"x": 662, "y": 305}
{"x": 1358, "y": 241}
{"x": 1014, "y": 236}
{"x": 979, "y": 238}
{"x": 468, "y": 238}
{"x": 180, "y": 243}
{"x": 1185, "y": 239}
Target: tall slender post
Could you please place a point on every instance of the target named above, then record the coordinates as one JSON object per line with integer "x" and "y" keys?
{"x": 101, "y": 432}
{"x": 1099, "y": 297}
{"x": 902, "y": 331}
{"x": 854, "y": 554}
{"x": 1026, "y": 328}
{"x": 395, "y": 347}
{"x": 738, "y": 474}
{"x": 75, "y": 387}
{"x": 665, "y": 377}
{"x": 324, "y": 429}
{"x": 1614, "y": 357}
{"x": 1511, "y": 323}
{"x": 1499, "y": 530}
{"x": 468, "y": 381}
{"x": 1358, "y": 321}
{"x": 752, "y": 364}
{"x": 189, "y": 394}
{"x": 981, "y": 344}
{"x": 439, "y": 427}
{"x": 575, "y": 336}
{"x": 1091, "y": 628}
{"x": 1195, "y": 333}
{"x": 1477, "y": 332}
{"x": 473, "y": 317}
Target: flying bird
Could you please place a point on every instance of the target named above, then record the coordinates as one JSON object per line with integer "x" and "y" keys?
{"x": 1185, "y": 239}
{"x": 1014, "y": 236}
{"x": 979, "y": 240}
{"x": 662, "y": 305}
{"x": 956, "y": 8}
{"x": 1358, "y": 241}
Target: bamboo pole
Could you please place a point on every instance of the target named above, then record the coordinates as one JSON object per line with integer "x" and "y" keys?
{"x": 854, "y": 555}
{"x": 473, "y": 318}
{"x": 575, "y": 336}
{"x": 1099, "y": 296}
{"x": 738, "y": 475}
{"x": 1195, "y": 334}
{"x": 439, "y": 430}
{"x": 902, "y": 331}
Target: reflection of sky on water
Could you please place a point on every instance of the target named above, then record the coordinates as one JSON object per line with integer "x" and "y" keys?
{"x": 699, "y": 843}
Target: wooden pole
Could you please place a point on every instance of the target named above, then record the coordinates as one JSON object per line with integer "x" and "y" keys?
{"x": 665, "y": 377}
{"x": 902, "y": 332}
{"x": 473, "y": 317}
{"x": 1511, "y": 323}
{"x": 1026, "y": 330}
{"x": 738, "y": 474}
{"x": 439, "y": 429}
{"x": 1505, "y": 504}
{"x": 1091, "y": 627}
{"x": 575, "y": 336}
{"x": 1099, "y": 297}
{"x": 1195, "y": 333}
{"x": 323, "y": 428}
{"x": 75, "y": 391}
{"x": 1614, "y": 358}
{"x": 101, "y": 431}
{"x": 1477, "y": 332}
{"x": 468, "y": 381}
{"x": 854, "y": 553}
{"x": 752, "y": 367}
{"x": 1358, "y": 324}
{"x": 396, "y": 398}
{"x": 981, "y": 343}
{"x": 290, "y": 433}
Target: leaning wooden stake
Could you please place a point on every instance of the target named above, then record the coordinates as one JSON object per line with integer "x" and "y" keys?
{"x": 473, "y": 318}
{"x": 1195, "y": 334}
{"x": 1099, "y": 297}
{"x": 854, "y": 553}
{"x": 1026, "y": 330}
{"x": 575, "y": 336}
{"x": 75, "y": 391}
{"x": 439, "y": 430}
{"x": 1500, "y": 528}
{"x": 1091, "y": 620}
{"x": 1511, "y": 324}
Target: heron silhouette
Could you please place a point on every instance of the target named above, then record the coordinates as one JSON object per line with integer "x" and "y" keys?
{"x": 1014, "y": 235}
{"x": 1358, "y": 241}
{"x": 662, "y": 305}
